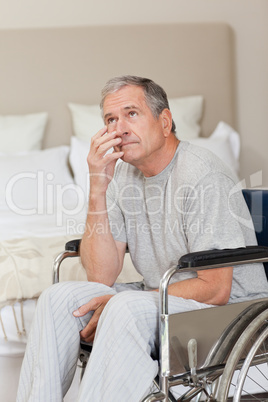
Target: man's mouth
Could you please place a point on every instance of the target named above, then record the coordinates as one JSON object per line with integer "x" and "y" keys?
{"x": 128, "y": 143}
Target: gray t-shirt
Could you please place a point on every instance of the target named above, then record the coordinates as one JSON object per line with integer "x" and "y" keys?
{"x": 192, "y": 205}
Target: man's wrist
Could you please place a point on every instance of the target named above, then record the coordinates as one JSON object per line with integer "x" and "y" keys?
{"x": 97, "y": 202}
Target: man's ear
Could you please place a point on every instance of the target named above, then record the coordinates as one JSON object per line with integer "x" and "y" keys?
{"x": 166, "y": 119}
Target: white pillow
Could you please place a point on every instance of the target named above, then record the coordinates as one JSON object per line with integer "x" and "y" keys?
{"x": 78, "y": 161}
{"x": 36, "y": 182}
{"x": 223, "y": 142}
{"x": 226, "y": 132}
{"x": 87, "y": 120}
{"x": 22, "y": 133}
{"x": 186, "y": 113}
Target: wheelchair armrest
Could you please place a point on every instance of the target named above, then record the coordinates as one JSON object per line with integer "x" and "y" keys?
{"x": 229, "y": 257}
{"x": 73, "y": 245}
{"x": 210, "y": 259}
{"x": 71, "y": 250}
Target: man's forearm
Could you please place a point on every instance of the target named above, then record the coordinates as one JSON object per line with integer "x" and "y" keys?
{"x": 209, "y": 287}
{"x": 200, "y": 291}
{"x": 99, "y": 254}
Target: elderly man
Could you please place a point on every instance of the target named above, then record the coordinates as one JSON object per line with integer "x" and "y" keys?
{"x": 165, "y": 199}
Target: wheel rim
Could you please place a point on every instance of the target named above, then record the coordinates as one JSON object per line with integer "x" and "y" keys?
{"x": 257, "y": 346}
{"x": 253, "y": 340}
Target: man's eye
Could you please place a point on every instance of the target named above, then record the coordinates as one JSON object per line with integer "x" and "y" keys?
{"x": 111, "y": 120}
{"x": 133, "y": 114}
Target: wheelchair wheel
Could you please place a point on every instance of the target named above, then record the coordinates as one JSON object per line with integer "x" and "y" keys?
{"x": 245, "y": 376}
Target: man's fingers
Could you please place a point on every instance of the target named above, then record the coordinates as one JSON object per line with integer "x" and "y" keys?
{"x": 102, "y": 136}
{"x": 85, "y": 308}
{"x": 88, "y": 338}
{"x": 101, "y": 132}
{"x": 92, "y": 305}
{"x": 113, "y": 156}
{"x": 90, "y": 328}
{"x": 101, "y": 147}
{"x": 97, "y": 305}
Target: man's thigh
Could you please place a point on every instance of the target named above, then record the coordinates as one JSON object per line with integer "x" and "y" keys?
{"x": 148, "y": 302}
{"x": 66, "y": 297}
{"x": 140, "y": 310}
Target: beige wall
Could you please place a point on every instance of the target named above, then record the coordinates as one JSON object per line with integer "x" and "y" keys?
{"x": 248, "y": 19}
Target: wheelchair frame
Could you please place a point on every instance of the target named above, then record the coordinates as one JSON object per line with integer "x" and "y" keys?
{"x": 220, "y": 356}
{"x": 205, "y": 361}
{"x": 179, "y": 360}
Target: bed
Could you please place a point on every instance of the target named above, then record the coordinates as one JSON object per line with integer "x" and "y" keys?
{"x": 51, "y": 81}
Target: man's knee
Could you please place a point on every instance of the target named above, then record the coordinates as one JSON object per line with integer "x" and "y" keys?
{"x": 74, "y": 288}
{"x": 122, "y": 306}
{"x": 72, "y": 294}
{"x": 57, "y": 289}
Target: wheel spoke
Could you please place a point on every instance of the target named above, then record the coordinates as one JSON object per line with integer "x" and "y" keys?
{"x": 245, "y": 376}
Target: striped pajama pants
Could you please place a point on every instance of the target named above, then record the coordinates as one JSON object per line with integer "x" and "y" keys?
{"x": 121, "y": 366}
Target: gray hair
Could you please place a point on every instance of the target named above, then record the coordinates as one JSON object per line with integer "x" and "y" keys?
{"x": 155, "y": 96}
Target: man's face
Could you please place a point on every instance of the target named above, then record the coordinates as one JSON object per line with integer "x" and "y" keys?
{"x": 126, "y": 112}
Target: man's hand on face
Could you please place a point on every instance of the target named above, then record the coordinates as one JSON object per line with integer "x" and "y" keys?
{"x": 97, "y": 305}
{"x": 101, "y": 164}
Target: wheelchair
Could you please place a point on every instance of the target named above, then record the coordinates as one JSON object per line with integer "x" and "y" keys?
{"x": 213, "y": 354}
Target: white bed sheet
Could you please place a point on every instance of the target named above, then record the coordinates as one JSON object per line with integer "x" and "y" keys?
{"x": 16, "y": 319}
{"x": 42, "y": 225}
{"x": 58, "y": 224}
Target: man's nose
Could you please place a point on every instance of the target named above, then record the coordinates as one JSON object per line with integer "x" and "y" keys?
{"x": 121, "y": 127}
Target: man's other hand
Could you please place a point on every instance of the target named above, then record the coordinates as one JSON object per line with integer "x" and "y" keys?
{"x": 97, "y": 305}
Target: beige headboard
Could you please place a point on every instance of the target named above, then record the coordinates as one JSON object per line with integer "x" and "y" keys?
{"x": 44, "y": 69}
